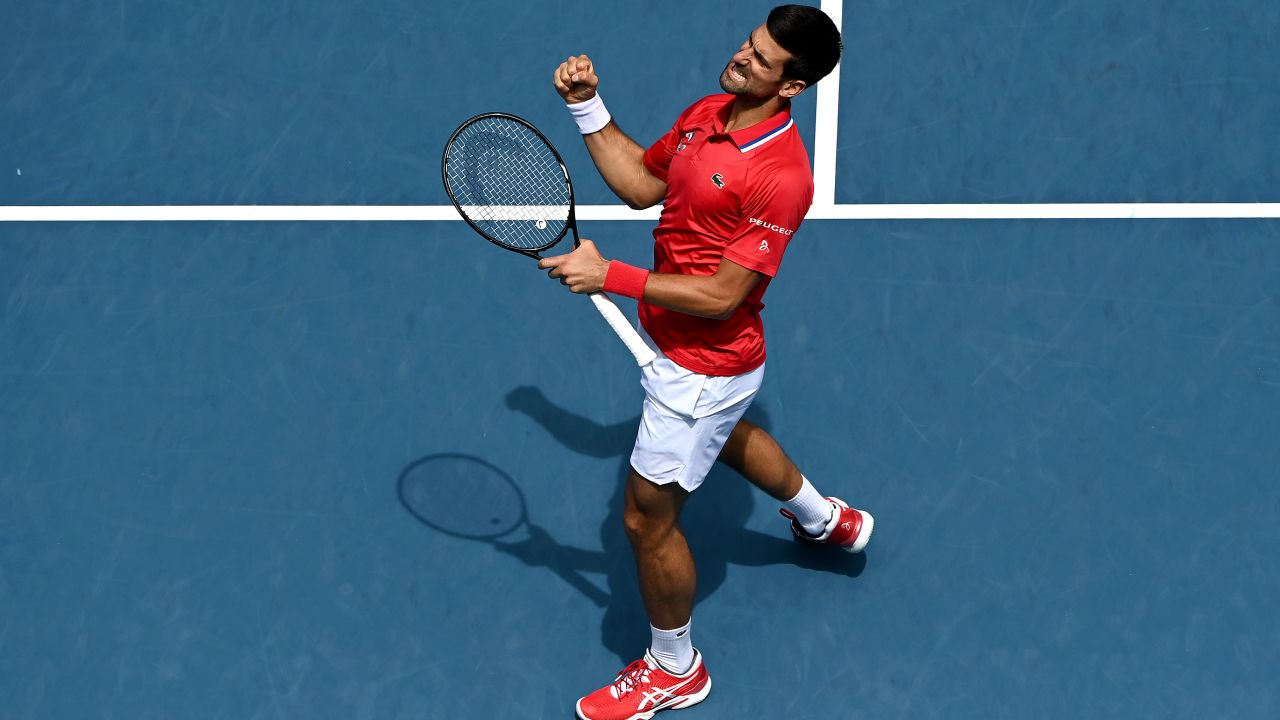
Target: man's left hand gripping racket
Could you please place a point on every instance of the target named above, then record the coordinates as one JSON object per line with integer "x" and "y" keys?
{"x": 510, "y": 185}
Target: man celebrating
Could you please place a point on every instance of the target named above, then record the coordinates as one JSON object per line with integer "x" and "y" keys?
{"x": 736, "y": 183}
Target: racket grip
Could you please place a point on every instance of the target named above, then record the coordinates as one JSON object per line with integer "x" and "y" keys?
{"x": 612, "y": 315}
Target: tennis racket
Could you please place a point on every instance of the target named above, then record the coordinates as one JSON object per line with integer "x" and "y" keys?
{"x": 511, "y": 186}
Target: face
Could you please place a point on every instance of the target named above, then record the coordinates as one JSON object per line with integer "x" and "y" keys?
{"x": 756, "y": 69}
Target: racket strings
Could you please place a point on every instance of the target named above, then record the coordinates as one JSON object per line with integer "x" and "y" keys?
{"x": 508, "y": 182}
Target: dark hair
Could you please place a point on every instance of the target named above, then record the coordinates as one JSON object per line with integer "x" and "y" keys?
{"x": 811, "y": 38}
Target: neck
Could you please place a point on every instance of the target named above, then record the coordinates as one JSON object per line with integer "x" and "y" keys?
{"x": 748, "y": 111}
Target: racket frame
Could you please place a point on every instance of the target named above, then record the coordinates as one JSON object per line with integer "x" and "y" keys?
{"x": 609, "y": 310}
{"x": 570, "y": 225}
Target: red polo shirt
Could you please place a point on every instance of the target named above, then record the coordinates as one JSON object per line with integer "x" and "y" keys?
{"x": 738, "y": 195}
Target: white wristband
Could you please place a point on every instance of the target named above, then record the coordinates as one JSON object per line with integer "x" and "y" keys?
{"x": 591, "y": 115}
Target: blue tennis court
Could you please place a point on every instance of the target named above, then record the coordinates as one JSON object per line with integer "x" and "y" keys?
{"x": 1066, "y": 429}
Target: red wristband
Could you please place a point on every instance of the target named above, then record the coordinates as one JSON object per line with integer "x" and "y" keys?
{"x": 624, "y": 279}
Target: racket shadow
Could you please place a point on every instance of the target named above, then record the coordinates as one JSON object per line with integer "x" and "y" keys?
{"x": 714, "y": 520}
{"x": 519, "y": 536}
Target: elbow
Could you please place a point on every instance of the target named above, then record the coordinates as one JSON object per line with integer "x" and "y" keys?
{"x": 723, "y": 302}
{"x": 643, "y": 197}
{"x": 724, "y": 309}
{"x": 642, "y": 200}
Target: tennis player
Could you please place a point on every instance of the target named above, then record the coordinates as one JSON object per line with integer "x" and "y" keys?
{"x": 736, "y": 183}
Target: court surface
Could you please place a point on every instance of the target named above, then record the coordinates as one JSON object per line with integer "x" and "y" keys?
{"x": 1066, "y": 429}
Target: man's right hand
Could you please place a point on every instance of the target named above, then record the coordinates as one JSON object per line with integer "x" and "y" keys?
{"x": 576, "y": 79}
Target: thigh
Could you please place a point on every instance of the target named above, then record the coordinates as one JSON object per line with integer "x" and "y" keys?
{"x": 680, "y": 450}
{"x": 657, "y": 503}
{"x": 662, "y": 441}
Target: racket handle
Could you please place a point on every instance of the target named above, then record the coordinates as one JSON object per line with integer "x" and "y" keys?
{"x": 612, "y": 315}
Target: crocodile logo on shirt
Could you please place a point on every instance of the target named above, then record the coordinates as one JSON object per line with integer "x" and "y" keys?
{"x": 718, "y": 179}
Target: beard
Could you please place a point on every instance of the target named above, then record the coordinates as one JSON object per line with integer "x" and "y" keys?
{"x": 731, "y": 84}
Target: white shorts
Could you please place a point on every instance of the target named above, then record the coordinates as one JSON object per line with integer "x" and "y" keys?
{"x": 687, "y": 418}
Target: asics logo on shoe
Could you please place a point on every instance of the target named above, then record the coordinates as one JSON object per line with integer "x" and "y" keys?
{"x": 846, "y": 526}
{"x": 661, "y": 695}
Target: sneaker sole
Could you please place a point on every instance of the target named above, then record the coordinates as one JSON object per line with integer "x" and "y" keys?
{"x": 679, "y": 704}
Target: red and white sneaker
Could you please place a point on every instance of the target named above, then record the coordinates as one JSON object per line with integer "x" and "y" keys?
{"x": 849, "y": 529}
{"x": 643, "y": 688}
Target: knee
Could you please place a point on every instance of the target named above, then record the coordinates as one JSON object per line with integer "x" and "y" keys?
{"x": 645, "y": 528}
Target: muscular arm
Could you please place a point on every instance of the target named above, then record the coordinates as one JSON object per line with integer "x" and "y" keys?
{"x": 709, "y": 296}
{"x": 619, "y": 159}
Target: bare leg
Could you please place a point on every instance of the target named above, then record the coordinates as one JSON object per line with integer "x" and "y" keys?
{"x": 664, "y": 564}
{"x": 758, "y": 457}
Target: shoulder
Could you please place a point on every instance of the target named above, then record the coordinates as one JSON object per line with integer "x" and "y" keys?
{"x": 785, "y": 167}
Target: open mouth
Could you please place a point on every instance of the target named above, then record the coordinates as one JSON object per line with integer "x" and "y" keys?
{"x": 735, "y": 73}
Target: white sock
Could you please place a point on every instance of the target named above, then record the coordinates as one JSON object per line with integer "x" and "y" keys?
{"x": 673, "y": 649}
{"x": 812, "y": 510}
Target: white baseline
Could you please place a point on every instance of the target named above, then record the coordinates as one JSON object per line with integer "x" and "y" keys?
{"x": 824, "y": 205}
{"x": 434, "y": 213}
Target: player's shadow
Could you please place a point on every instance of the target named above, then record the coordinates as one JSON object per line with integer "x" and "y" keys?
{"x": 714, "y": 521}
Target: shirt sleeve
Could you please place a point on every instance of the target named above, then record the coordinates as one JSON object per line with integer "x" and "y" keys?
{"x": 657, "y": 159}
{"x": 771, "y": 215}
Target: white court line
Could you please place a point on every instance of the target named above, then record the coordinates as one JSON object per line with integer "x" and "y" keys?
{"x": 827, "y": 122}
{"x": 429, "y": 213}
{"x": 1049, "y": 211}
{"x": 824, "y": 205}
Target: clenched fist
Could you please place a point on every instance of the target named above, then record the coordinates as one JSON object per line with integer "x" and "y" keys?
{"x": 576, "y": 79}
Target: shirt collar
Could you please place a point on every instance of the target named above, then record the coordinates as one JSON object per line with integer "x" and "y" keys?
{"x": 750, "y": 138}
